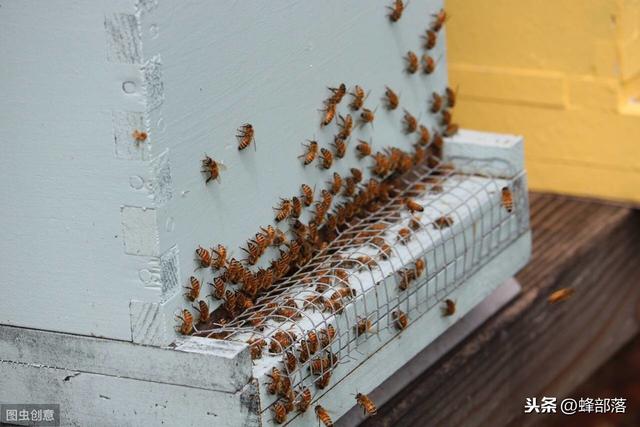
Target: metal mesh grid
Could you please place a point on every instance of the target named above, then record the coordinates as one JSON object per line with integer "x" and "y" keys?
{"x": 369, "y": 277}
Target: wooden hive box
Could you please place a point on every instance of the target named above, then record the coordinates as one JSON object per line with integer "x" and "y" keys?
{"x": 110, "y": 108}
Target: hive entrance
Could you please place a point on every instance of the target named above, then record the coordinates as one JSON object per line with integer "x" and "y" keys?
{"x": 376, "y": 275}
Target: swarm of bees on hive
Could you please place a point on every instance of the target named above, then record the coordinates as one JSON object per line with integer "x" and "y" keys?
{"x": 250, "y": 296}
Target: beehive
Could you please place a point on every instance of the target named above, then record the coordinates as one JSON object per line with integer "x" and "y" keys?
{"x": 103, "y": 226}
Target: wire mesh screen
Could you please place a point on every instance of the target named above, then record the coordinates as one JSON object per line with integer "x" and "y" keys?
{"x": 378, "y": 275}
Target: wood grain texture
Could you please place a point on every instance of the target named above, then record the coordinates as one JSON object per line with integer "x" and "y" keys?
{"x": 532, "y": 348}
{"x": 88, "y": 399}
{"x": 228, "y": 364}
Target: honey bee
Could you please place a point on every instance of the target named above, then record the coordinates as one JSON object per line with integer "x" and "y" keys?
{"x": 139, "y": 136}
{"x": 203, "y": 310}
{"x": 262, "y": 241}
{"x": 382, "y": 164}
{"x": 279, "y": 412}
{"x": 290, "y": 361}
{"x": 296, "y": 207}
{"x": 313, "y": 301}
{"x": 425, "y": 135}
{"x": 356, "y": 174}
{"x": 276, "y": 378}
{"x": 234, "y": 271}
{"x": 187, "y": 322}
{"x": 437, "y": 140}
{"x": 420, "y": 265}
{"x": 359, "y": 97}
{"x": 451, "y": 129}
{"x": 320, "y": 365}
{"x": 363, "y": 326}
{"x": 413, "y": 206}
{"x": 280, "y": 266}
{"x": 343, "y": 292}
{"x": 443, "y": 222}
{"x": 412, "y": 62}
{"x": 246, "y": 136}
{"x": 391, "y": 98}
{"x": 307, "y": 194}
{"x": 327, "y": 198}
{"x": 255, "y": 347}
{"x": 436, "y": 103}
{"x": 410, "y": 122}
{"x": 430, "y": 39}
{"x": 560, "y": 295}
{"x": 211, "y": 167}
{"x": 279, "y": 238}
{"x": 428, "y": 64}
{"x": 194, "y": 289}
{"x": 363, "y": 148}
{"x": 445, "y": 120}
{"x": 451, "y": 97}
{"x": 266, "y": 278}
{"x": 384, "y": 250}
{"x": 404, "y": 234}
{"x": 406, "y": 277}
{"x": 284, "y": 211}
{"x": 253, "y": 253}
{"x": 249, "y": 284}
{"x": 312, "y": 341}
{"x": 336, "y": 183}
{"x": 326, "y": 158}
{"x": 439, "y": 20}
{"x": 449, "y": 308}
{"x": 507, "y": 199}
{"x": 396, "y": 10}
{"x": 322, "y": 413}
{"x": 288, "y": 312}
{"x": 281, "y": 340}
{"x": 346, "y": 124}
{"x": 400, "y": 319}
{"x": 329, "y": 114}
{"x": 218, "y": 287}
{"x": 303, "y": 399}
{"x": 340, "y": 147}
{"x": 367, "y": 404}
{"x": 230, "y": 301}
{"x": 366, "y": 261}
{"x": 288, "y": 400}
{"x": 270, "y": 233}
{"x": 311, "y": 150}
{"x": 303, "y": 350}
{"x": 338, "y": 94}
{"x": 323, "y": 380}
{"x": 349, "y": 187}
{"x": 333, "y": 306}
{"x": 221, "y": 257}
{"x": 367, "y": 116}
{"x": 321, "y": 211}
{"x": 327, "y": 336}
{"x": 204, "y": 256}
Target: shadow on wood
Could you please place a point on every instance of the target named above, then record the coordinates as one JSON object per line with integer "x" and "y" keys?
{"x": 532, "y": 348}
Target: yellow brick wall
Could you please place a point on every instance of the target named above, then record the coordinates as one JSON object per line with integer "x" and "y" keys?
{"x": 563, "y": 73}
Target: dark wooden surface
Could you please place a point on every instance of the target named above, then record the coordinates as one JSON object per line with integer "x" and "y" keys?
{"x": 531, "y": 348}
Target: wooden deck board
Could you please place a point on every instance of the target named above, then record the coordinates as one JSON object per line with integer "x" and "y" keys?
{"x": 531, "y": 348}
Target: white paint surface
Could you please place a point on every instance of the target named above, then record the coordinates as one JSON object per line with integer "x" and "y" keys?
{"x": 100, "y": 400}
{"x": 62, "y": 258}
{"x": 77, "y": 77}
